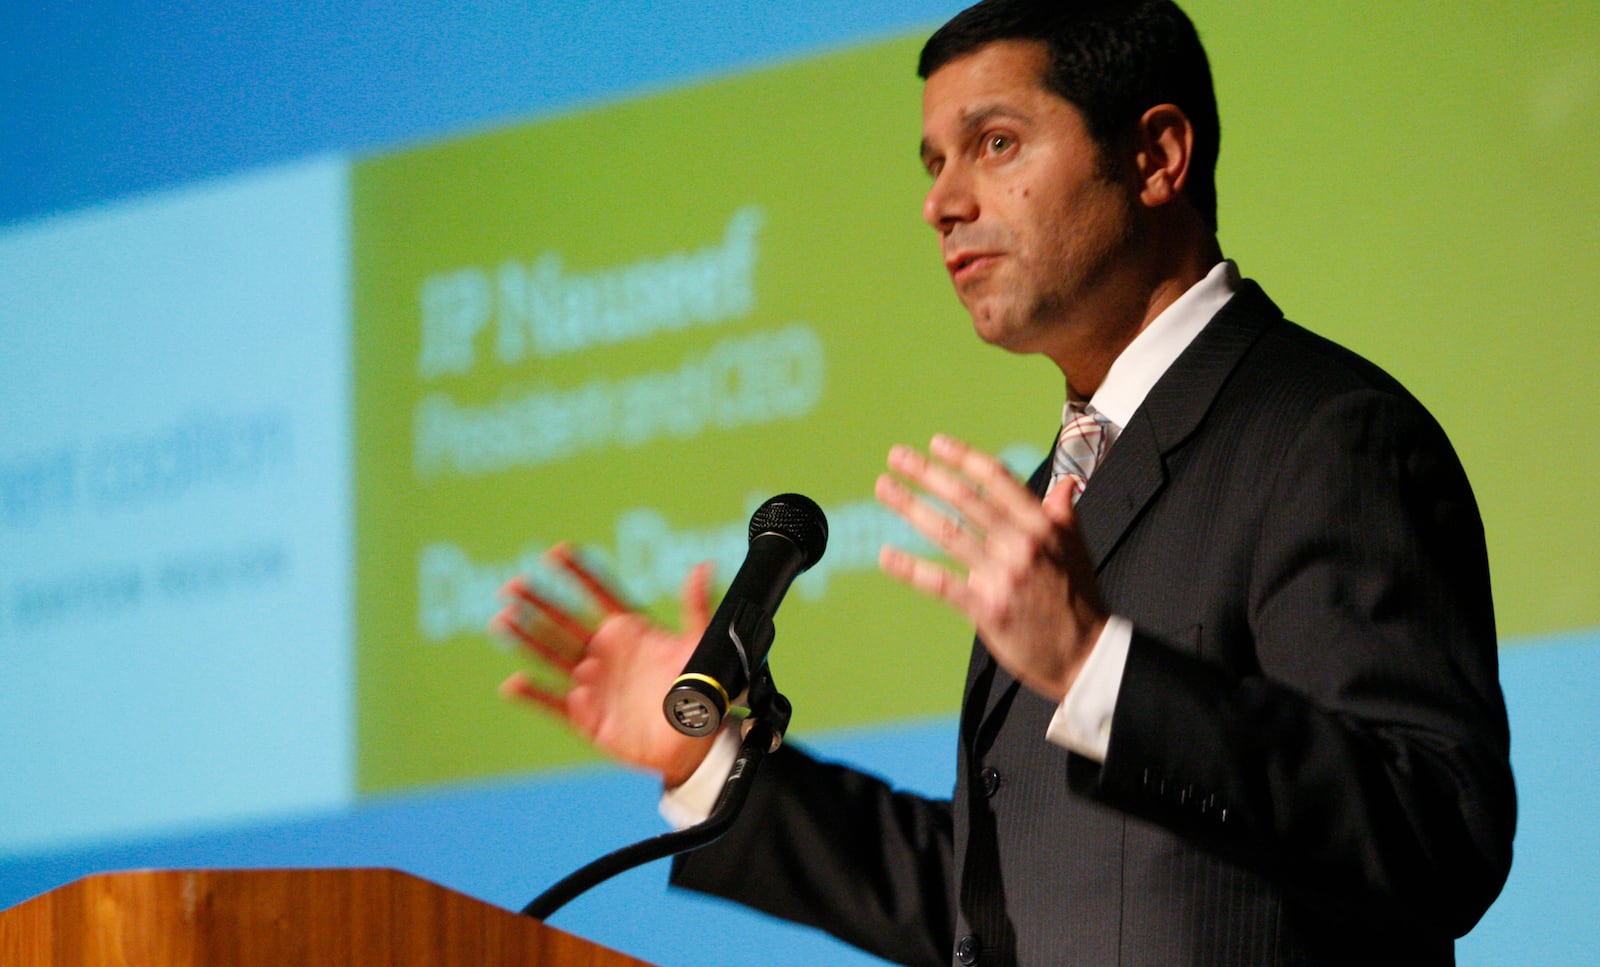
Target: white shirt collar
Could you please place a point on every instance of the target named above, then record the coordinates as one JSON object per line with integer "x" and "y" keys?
{"x": 1153, "y": 350}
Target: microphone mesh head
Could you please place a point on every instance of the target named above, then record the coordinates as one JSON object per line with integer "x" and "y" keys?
{"x": 796, "y": 517}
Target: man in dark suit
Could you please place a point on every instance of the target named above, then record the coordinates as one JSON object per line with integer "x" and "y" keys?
{"x": 1234, "y": 697}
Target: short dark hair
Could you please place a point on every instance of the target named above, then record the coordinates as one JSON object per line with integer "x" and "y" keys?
{"x": 1113, "y": 60}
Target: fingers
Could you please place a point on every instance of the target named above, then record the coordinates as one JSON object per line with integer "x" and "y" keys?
{"x": 519, "y": 687}
{"x": 981, "y": 499}
{"x": 609, "y": 603}
{"x": 958, "y": 491}
{"x": 549, "y": 642}
{"x": 561, "y": 637}
{"x": 925, "y": 576}
{"x": 973, "y": 509}
{"x": 942, "y": 529}
{"x": 519, "y": 589}
{"x": 696, "y": 596}
{"x": 535, "y": 622}
{"x": 996, "y": 491}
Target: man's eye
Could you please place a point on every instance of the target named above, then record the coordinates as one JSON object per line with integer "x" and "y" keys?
{"x": 999, "y": 143}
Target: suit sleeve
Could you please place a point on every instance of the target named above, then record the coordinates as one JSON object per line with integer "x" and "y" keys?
{"x": 1364, "y": 763}
{"x": 831, "y": 847}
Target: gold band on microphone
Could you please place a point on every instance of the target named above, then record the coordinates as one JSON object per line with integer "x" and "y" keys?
{"x": 696, "y": 677}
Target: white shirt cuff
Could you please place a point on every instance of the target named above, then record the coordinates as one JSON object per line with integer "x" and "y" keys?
{"x": 691, "y": 803}
{"x": 1082, "y": 722}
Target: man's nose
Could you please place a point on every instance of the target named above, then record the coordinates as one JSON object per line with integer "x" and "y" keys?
{"x": 950, "y": 200}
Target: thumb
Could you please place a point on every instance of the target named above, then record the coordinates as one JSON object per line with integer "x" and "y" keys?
{"x": 696, "y": 596}
{"x": 1058, "y": 502}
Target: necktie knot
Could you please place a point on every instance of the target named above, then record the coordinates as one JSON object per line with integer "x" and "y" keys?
{"x": 1080, "y": 446}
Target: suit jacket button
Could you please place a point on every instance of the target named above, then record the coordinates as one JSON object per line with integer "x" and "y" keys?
{"x": 990, "y": 777}
{"x": 968, "y": 950}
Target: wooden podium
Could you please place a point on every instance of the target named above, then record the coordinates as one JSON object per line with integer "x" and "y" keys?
{"x": 279, "y": 918}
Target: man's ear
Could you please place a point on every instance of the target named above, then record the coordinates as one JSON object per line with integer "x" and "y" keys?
{"x": 1163, "y": 148}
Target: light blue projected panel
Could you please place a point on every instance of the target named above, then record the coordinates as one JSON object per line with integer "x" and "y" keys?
{"x": 174, "y": 635}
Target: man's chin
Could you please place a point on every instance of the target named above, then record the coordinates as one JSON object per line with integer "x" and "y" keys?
{"x": 997, "y": 328}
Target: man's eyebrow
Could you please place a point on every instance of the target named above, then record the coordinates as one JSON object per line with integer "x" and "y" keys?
{"x": 981, "y": 115}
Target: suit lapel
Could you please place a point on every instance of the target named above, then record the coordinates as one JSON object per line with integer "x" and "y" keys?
{"x": 1131, "y": 474}
{"x": 1135, "y": 469}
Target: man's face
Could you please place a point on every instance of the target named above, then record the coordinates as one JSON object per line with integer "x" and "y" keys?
{"x": 1028, "y": 222}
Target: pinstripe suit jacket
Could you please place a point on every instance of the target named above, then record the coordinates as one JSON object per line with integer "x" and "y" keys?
{"x": 1309, "y": 755}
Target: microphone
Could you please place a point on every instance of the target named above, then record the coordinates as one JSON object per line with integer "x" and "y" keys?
{"x": 788, "y": 534}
